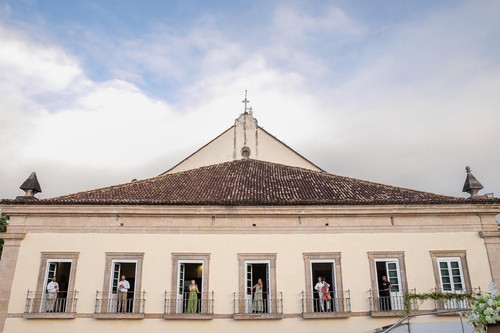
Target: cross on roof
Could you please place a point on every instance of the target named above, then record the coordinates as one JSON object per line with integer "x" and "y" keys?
{"x": 245, "y": 101}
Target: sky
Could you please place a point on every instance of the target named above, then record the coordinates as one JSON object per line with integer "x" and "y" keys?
{"x": 96, "y": 93}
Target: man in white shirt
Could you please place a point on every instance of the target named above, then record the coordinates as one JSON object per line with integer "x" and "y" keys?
{"x": 123, "y": 287}
{"x": 51, "y": 296}
{"x": 319, "y": 288}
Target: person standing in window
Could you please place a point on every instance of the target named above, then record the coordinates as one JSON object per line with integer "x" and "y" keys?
{"x": 385, "y": 294}
{"x": 258, "y": 303}
{"x": 50, "y": 298}
{"x": 319, "y": 288}
{"x": 193, "y": 297}
{"x": 123, "y": 287}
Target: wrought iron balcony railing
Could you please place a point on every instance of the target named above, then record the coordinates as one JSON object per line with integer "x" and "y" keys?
{"x": 258, "y": 303}
{"x": 334, "y": 302}
{"x": 121, "y": 303}
{"x": 461, "y": 302}
{"x": 41, "y": 302}
{"x": 183, "y": 304}
{"x": 387, "y": 301}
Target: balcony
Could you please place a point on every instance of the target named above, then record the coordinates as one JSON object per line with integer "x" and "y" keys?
{"x": 253, "y": 306}
{"x": 119, "y": 306}
{"x": 179, "y": 306}
{"x": 456, "y": 304}
{"x": 336, "y": 305}
{"x": 389, "y": 306}
{"x": 50, "y": 306}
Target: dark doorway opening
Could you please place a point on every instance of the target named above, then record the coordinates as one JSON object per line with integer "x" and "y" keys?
{"x": 62, "y": 271}
{"x": 325, "y": 270}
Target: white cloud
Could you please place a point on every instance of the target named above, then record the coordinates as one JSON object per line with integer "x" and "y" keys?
{"x": 419, "y": 107}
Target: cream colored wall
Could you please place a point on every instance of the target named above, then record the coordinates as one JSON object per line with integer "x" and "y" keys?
{"x": 293, "y": 325}
{"x": 224, "y": 265}
{"x": 270, "y": 148}
{"x": 218, "y": 151}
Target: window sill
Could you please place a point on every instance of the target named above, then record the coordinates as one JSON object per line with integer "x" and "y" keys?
{"x": 325, "y": 315}
{"x": 257, "y": 316}
{"x": 395, "y": 313}
{"x": 187, "y": 316}
{"x": 118, "y": 315}
{"x": 49, "y": 315}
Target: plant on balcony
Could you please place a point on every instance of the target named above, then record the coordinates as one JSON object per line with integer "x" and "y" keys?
{"x": 485, "y": 309}
{"x": 410, "y": 298}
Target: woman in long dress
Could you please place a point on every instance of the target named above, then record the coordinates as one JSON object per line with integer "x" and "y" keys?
{"x": 193, "y": 297}
{"x": 258, "y": 303}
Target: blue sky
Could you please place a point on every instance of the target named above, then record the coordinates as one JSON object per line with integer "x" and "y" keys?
{"x": 399, "y": 92}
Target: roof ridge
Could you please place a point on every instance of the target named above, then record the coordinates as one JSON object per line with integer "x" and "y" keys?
{"x": 250, "y": 160}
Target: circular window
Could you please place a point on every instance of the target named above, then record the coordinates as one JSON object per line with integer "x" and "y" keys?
{"x": 245, "y": 152}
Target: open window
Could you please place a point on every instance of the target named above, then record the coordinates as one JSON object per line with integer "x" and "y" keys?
{"x": 188, "y": 267}
{"x": 121, "y": 298}
{"x": 387, "y": 269}
{"x": 255, "y": 271}
{"x": 324, "y": 300}
{"x": 122, "y": 302}
{"x": 189, "y": 270}
{"x": 61, "y": 270}
{"x": 388, "y": 272}
{"x": 60, "y": 267}
{"x": 254, "y": 300}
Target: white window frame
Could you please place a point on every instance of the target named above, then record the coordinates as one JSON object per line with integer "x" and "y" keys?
{"x": 452, "y": 283}
{"x": 46, "y": 278}
{"x": 248, "y": 298}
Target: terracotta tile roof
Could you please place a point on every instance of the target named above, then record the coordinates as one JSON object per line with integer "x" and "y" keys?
{"x": 250, "y": 182}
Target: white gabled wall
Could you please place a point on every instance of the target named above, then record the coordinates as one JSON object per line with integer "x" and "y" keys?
{"x": 229, "y": 146}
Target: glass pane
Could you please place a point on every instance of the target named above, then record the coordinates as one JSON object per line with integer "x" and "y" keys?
{"x": 443, "y": 265}
{"x": 458, "y": 286}
{"x": 393, "y": 274}
{"x": 455, "y": 271}
{"x": 446, "y": 279}
{"x": 394, "y": 282}
{"x": 457, "y": 279}
{"x": 446, "y": 286}
{"x": 454, "y": 264}
{"x": 444, "y": 272}
{"x": 391, "y": 265}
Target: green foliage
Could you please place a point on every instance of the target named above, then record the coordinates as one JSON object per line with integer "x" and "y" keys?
{"x": 485, "y": 310}
{"x": 4, "y": 219}
{"x": 411, "y": 298}
{"x": 3, "y": 222}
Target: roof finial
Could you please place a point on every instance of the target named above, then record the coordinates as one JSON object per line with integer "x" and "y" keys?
{"x": 471, "y": 185}
{"x": 31, "y": 186}
{"x": 245, "y": 101}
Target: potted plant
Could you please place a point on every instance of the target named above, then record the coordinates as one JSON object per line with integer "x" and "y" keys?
{"x": 485, "y": 314}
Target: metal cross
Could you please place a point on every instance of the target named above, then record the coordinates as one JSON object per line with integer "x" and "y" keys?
{"x": 245, "y": 101}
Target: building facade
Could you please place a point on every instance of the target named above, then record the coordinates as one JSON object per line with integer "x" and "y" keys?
{"x": 243, "y": 208}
